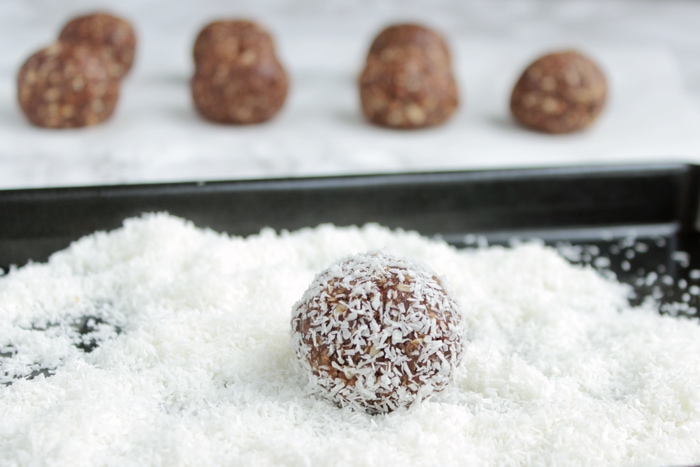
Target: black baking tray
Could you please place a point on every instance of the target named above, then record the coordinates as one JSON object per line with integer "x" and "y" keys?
{"x": 644, "y": 218}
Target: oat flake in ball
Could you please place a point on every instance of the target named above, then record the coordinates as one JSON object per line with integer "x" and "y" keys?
{"x": 375, "y": 333}
{"x": 560, "y": 92}
{"x": 66, "y": 86}
{"x": 106, "y": 31}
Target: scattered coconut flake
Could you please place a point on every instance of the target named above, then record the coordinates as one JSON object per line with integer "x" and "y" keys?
{"x": 682, "y": 257}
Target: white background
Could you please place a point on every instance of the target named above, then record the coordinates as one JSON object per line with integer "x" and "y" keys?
{"x": 650, "y": 51}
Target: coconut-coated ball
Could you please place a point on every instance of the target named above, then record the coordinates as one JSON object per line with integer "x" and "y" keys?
{"x": 376, "y": 332}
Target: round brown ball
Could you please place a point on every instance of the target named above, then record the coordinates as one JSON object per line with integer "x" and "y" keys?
{"x": 106, "y": 31}
{"x": 431, "y": 42}
{"x": 240, "y": 93}
{"x": 559, "y": 92}
{"x": 238, "y": 78}
{"x": 375, "y": 332}
{"x": 66, "y": 86}
{"x": 402, "y": 88}
{"x": 232, "y": 41}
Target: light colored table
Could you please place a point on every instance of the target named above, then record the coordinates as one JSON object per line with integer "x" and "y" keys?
{"x": 650, "y": 51}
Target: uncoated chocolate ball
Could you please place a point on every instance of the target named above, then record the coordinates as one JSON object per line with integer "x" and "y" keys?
{"x": 238, "y": 78}
{"x": 66, "y": 86}
{"x": 375, "y": 332}
{"x": 109, "y": 32}
{"x": 559, "y": 92}
{"x": 407, "y": 81}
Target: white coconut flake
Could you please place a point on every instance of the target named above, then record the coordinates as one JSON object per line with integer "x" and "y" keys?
{"x": 190, "y": 361}
{"x": 682, "y": 257}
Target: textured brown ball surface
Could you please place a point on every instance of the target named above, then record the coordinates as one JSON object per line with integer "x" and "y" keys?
{"x": 400, "y": 88}
{"x": 238, "y": 79}
{"x": 240, "y": 94}
{"x": 66, "y": 86}
{"x": 559, "y": 93}
{"x": 413, "y": 35}
{"x": 375, "y": 332}
{"x": 407, "y": 81}
{"x": 232, "y": 41}
{"x": 109, "y": 32}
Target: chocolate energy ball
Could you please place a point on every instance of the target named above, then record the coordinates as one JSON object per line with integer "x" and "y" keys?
{"x": 375, "y": 332}
{"x": 402, "y": 88}
{"x": 238, "y": 78}
{"x": 240, "y": 93}
{"x": 404, "y": 35}
{"x": 66, "y": 86}
{"x": 106, "y": 31}
{"x": 238, "y": 41}
{"x": 559, "y": 92}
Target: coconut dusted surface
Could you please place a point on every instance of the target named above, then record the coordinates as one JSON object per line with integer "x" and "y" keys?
{"x": 190, "y": 359}
{"x": 376, "y": 332}
{"x": 559, "y": 92}
{"x": 111, "y": 33}
{"x": 67, "y": 86}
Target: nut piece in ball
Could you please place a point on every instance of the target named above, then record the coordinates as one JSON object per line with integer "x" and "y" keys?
{"x": 66, "y": 86}
{"x": 106, "y": 31}
{"x": 375, "y": 333}
{"x": 407, "y": 81}
{"x": 559, "y": 93}
{"x": 238, "y": 78}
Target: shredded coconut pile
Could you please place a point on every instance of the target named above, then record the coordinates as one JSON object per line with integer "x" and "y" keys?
{"x": 163, "y": 344}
